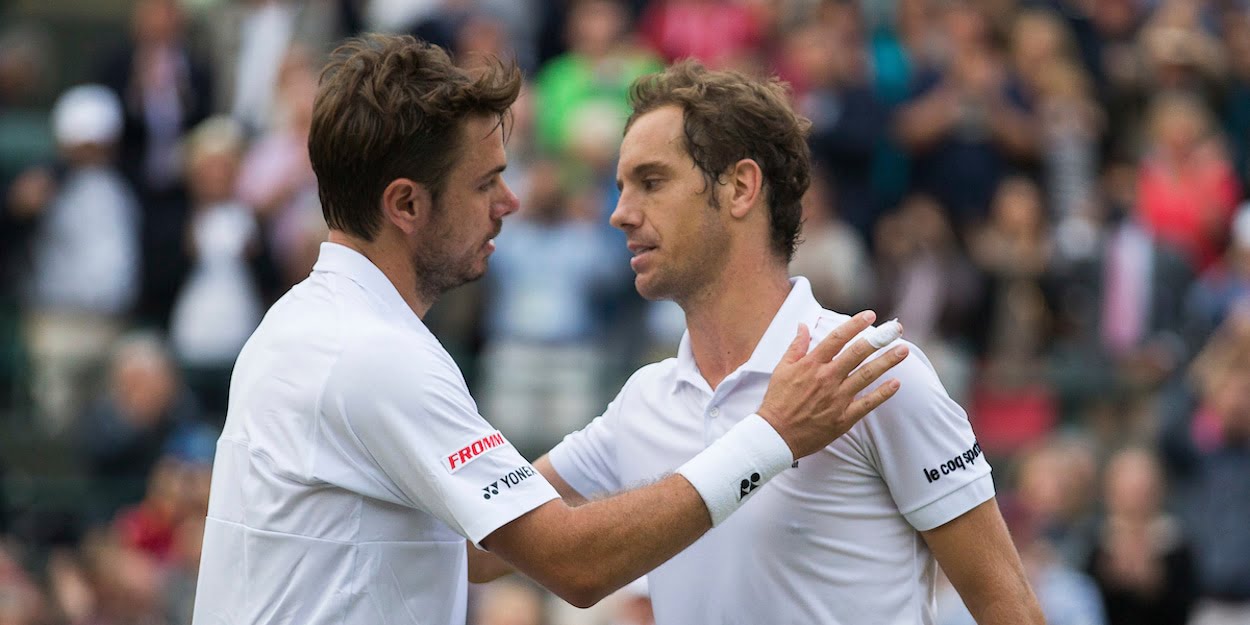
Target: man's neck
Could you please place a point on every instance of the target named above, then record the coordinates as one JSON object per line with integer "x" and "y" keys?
{"x": 392, "y": 260}
{"x": 727, "y": 322}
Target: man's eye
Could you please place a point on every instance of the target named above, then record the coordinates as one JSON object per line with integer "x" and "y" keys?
{"x": 650, "y": 184}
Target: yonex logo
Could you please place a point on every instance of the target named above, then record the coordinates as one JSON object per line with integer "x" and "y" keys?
{"x": 493, "y": 489}
{"x": 508, "y": 481}
{"x": 748, "y": 485}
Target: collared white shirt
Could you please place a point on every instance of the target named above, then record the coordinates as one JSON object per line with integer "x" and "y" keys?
{"x": 352, "y": 466}
{"x": 834, "y": 541}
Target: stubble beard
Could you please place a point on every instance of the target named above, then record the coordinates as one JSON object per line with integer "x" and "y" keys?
{"x": 438, "y": 271}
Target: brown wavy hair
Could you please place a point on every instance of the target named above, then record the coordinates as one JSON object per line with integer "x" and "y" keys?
{"x": 729, "y": 116}
{"x": 392, "y": 107}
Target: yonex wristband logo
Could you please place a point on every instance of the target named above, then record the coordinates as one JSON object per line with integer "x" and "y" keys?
{"x": 748, "y": 485}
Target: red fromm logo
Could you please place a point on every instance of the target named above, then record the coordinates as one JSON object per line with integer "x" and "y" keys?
{"x": 456, "y": 460}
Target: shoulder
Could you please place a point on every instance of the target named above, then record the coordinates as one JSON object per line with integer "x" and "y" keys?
{"x": 382, "y": 357}
{"x": 650, "y": 378}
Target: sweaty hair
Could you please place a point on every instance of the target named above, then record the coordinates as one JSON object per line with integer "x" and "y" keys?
{"x": 392, "y": 107}
{"x": 729, "y": 117}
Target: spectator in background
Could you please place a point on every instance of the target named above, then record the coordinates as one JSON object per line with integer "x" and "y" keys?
{"x": 1013, "y": 250}
{"x": 1142, "y": 561}
{"x": 1072, "y": 127}
{"x": 509, "y": 602}
{"x": 827, "y": 68}
{"x": 541, "y": 363}
{"x": 1013, "y": 405}
{"x": 165, "y": 90}
{"x": 968, "y": 122}
{"x": 85, "y": 254}
{"x": 925, "y": 281}
{"x": 251, "y": 40}
{"x": 1223, "y": 287}
{"x": 1236, "y": 105}
{"x": 719, "y": 34}
{"x": 1186, "y": 187}
{"x": 21, "y": 601}
{"x": 1209, "y": 452}
{"x": 832, "y": 255}
{"x": 634, "y": 606}
{"x": 1055, "y": 483}
{"x": 1067, "y": 596}
{"x": 1180, "y": 53}
{"x": 1138, "y": 315}
{"x": 276, "y": 178}
{"x": 26, "y": 72}
{"x": 1071, "y": 123}
{"x": 220, "y": 304}
{"x": 125, "y": 585}
{"x": 586, "y": 88}
{"x": 129, "y": 427}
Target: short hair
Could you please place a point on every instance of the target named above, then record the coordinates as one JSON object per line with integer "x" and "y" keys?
{"x": 392, "y": 107}
{"x": 728, "y": 116}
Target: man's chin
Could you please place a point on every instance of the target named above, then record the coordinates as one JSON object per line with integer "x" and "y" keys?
{"x": 650, "y": 290}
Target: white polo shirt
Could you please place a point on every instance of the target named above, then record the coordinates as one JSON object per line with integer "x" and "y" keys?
{"x": 833, "y": 541}
{"x": 352, "y": 466}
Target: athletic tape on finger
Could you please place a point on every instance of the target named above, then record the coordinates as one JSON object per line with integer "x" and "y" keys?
{"x": 884, "y": 334}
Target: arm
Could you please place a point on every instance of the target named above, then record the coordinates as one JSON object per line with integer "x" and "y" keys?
{"x": 978, "y": 556}
{"x": 585, "y": 553}
{"x": 485, "y": 566}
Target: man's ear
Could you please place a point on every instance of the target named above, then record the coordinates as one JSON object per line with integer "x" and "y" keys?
{"x": 746, "y": 183}
{"x": 406, "y": 204}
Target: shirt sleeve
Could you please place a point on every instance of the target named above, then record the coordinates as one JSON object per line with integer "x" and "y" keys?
{"x": 397, "y": 423}
{"x": 925, "y": 450}
{"x": 586, "y": 459}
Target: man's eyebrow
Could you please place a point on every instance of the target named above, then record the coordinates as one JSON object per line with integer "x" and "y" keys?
{"x": 494, "y": 172}
{"x": 643, "y": 168}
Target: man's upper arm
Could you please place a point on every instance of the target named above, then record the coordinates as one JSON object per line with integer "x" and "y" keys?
{"x": 398, "y": 424}
{"x": 925, "y": 450}
{"x": 977, "y": 555}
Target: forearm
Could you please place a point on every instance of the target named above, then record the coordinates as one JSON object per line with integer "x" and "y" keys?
{"x": 585, "y": 553}
{"x": 1015, "y": 608}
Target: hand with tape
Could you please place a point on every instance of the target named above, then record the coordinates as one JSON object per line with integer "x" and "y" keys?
{"x": 814, "y": 397}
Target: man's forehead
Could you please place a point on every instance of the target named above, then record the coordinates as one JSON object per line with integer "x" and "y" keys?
{"x": 656, "y": 135}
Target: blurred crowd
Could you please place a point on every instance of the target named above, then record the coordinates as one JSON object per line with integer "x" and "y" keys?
{"x": 1050, "y": 195}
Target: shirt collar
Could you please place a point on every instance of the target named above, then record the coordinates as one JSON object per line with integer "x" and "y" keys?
{"x": 800, "y": 307}
{"x": 342, "y": 260}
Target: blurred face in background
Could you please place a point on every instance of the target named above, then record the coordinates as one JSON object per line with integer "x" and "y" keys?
{"x": 1017, "y": 207}
{"x": 144, "y": 386}
{"x": 1037, "y": 39}
{"x": 1134, "y": 484}
{"x": 157, "y": 22}
{"x": 679, "y": 240}
{"x": 595, "y": 26}
{"x": 211, "y": 176}
{"x": 1232, "y": 404}
{"x": 1237, "y": 38}
{"x": 1178, "y": 125}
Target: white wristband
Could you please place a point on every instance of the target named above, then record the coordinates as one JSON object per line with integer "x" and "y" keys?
{"x": 737, "y": 464}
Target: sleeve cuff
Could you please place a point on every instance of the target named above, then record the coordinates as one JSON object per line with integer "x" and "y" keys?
{"x": 952, "y": 505}
{"x": 536, "y": 497}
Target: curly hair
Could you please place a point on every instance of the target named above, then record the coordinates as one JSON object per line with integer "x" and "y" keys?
{"x": 392, "y": 107}
{"x": 728, "y": 117}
